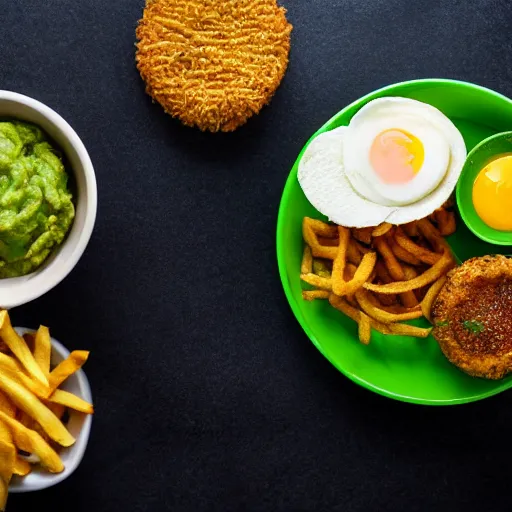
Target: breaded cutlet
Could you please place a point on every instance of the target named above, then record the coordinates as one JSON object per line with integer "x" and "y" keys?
{"x": 213, "y": 63}
{"x": 472, "y": 317}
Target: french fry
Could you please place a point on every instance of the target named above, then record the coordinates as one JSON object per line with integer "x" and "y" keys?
{"x": 445, "y": 222}
{"x": 419, "y": 252}
{"x": 430, "y": 275}
{"x": 381, "y": 229}
{"x": 401, "y": 253}
{"x": 322, "y": 228}
{"x": 409, "y": 272}
{"x": 20, "y": 349}
{"x": 409, "y": 330}
{"x": 363, "y": 235}
{"x": 411, "y": 229}
{"x": 310, "y": 237}
{"x": 315, "y": 294}
{"x": 364, "y": 328}
{"x": 430, "y": 297}
{"x": 324, "y": 283}
{"x": 353, "y": 253}
{"x": 338, "y": 266}
{"x": 30, "y": 404}
{"x": 362, "y": 273}
{"x": 395, "y": 270}
{"x": 431, "y": 233}
{"x": 65, "y": 368}
{"x": 7, "y": 460}
{"x": 6, "y": 406}
{"x": 31, "y": 442}
{"x": 71, "y": 401}
{"x": 341, "y": 304}
{"x": 43, "y": 349}
{"x": 21, "y": 467}
{"x": 381, "y": 315}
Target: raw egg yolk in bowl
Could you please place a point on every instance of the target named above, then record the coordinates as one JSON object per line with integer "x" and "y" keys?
{"x": 492, "y": 193}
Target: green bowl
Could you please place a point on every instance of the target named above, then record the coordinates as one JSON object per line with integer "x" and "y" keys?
{"x": 399, "y": 367}
{"x": 479, "y": 156}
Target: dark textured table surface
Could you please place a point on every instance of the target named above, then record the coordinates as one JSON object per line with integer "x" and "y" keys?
{"x": 208, "y": 395}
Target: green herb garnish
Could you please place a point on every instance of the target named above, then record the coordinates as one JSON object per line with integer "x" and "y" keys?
{"x": 473, "y": 326}
{"x": 442, "y": 323}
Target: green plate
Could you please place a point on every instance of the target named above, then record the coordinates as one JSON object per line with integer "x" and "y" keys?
{"x": 399, "y": 367}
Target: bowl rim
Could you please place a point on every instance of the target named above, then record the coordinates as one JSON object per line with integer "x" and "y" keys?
{"x": 82, "y": 439}
{"x": 460, "y": 201}
{"x": 292, "y": 177}
{"x": 40, "y": 286}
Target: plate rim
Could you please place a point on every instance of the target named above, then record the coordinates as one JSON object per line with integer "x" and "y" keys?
{"x": 292, "y": 176}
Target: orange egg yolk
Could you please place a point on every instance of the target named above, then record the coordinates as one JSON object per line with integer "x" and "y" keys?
{"x": 396, "y": 156}
{"x": 492, "y": 194}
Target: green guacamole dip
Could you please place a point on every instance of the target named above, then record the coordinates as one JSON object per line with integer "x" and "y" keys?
{"x": 36, "y": 210}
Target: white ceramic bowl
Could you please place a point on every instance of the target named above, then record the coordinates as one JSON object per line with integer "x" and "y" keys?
{"x": 20, "y": 290}
{"x": 79, "y": 425}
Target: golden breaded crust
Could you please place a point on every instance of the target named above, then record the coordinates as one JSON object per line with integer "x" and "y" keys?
{"x": 472, "y": 316}
{"x": 213, "y": 63}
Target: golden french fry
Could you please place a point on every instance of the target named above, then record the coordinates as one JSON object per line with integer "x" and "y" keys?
{"x": 322, "y": 228}
{"x": 381, "y": 315}
{"x": 19, "y": 348}
{"x": 429, "y": 276}
{"x": 362, "y": 273}
{"x": 409, "y": 330}
{"x": 431, "y": 295}
{"x": 7, "y": 459}
{"x": 431, "y": 233}
{"x": 306, "y": 266}
{"x": 364, "y": 328}
{"x": 310, "y": 295}
{"x": 43, "y": 349}
{"x": 353, "y": 253}
{"x": 395, "y": 269}
{"x": 7, "y": 406}
{"x": 341, "y": 304}
{"x": 411, "y": 229}
{"x": 318, "y": 251}
{"x": 65, "y": 368}
{"x": 324, "y": 283}
{"x": 21, "y": 467}
{"x": 445, "y": 222}
{"x": 30, "y": 404}
{"x": 71, "y": 401}
{"x": 363, "y": 235}
{"x": 401, "y": 253}
{"x": 381, "y": 229}
{"x": 31, "y": 442}
{"x": 338, "y": 266}
{"x": 419, "y": 252}
{"x": 409, "y": 272}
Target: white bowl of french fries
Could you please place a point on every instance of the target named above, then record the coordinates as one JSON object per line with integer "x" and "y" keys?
{"x": 45, "y": 409}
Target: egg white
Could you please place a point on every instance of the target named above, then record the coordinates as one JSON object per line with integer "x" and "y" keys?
{"x": 364, "y": 128}
{"x": 324, "y": 180}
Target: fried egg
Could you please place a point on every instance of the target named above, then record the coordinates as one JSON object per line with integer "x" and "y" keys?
{"x": 397, "y": 161}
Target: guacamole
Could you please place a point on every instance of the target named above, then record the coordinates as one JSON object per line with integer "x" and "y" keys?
{"x": 36, "y": 208}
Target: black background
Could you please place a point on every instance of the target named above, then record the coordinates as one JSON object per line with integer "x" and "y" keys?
{"x": 208, "y": 395}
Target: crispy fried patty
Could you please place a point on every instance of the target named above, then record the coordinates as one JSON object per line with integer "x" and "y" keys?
{"x": 473, "y": 317}
{"x": 213, "y": 63}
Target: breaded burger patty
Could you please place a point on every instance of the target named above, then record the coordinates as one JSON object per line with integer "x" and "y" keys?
{"x": 213, "y": 63}
{"x": 472, "y": 317}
